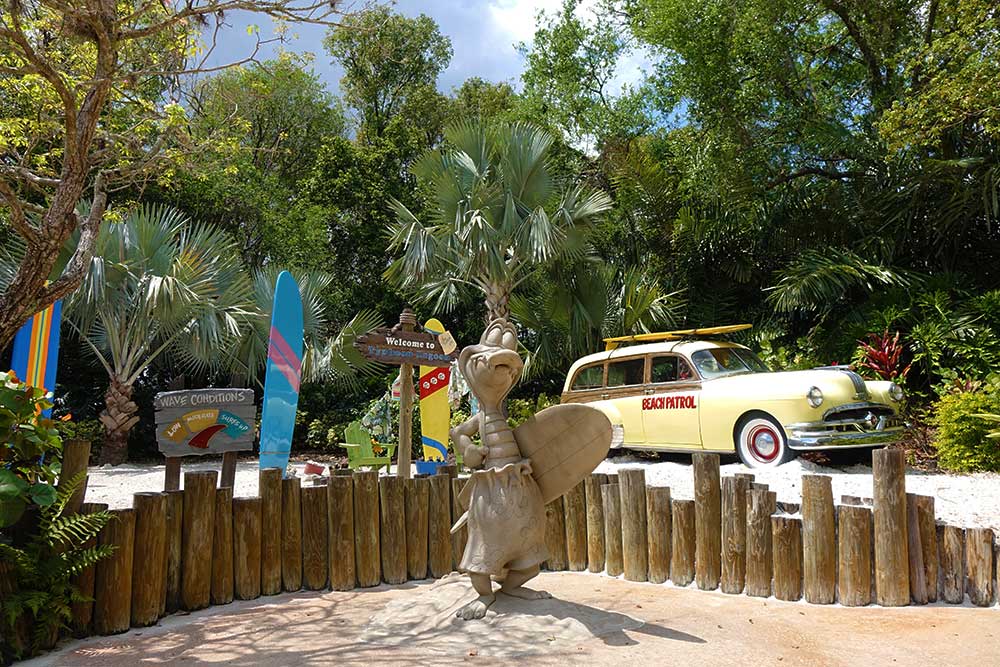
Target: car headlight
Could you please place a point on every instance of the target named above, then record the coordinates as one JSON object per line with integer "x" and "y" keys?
{"x": 895, "y": 392}
{"x": 815, "y": 397}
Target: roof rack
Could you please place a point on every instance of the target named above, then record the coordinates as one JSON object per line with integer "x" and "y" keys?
{"x": 680, "y": 334}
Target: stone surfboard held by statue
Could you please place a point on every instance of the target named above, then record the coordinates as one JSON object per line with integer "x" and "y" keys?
{"x": 516, "y": 471}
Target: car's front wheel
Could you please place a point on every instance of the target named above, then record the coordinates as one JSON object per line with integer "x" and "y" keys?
{"x": 761, "y": 443}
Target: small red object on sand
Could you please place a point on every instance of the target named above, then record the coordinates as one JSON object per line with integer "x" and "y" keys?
{"x": 313, "y": 468}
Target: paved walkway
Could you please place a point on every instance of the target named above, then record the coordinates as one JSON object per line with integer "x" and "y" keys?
{"x": 593, "y": 620}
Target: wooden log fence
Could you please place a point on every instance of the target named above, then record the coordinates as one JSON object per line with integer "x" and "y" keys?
{"x": 188, "y": 549}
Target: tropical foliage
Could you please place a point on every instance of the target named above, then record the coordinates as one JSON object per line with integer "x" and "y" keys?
{"x": 42, "y": 571}
{"x": 29, "y": 452}
{"x": 963, "y": 439}
{"x": 497, "y": 215}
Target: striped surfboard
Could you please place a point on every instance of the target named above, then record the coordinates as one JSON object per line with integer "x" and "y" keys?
{"x": 284, "y": 371}
{"x": 36, "y": 350}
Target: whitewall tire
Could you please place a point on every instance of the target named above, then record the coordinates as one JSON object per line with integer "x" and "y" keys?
{"x": 760, "y": 442}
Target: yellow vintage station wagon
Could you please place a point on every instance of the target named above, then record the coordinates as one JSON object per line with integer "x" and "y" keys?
{"x": 687, "y": 391}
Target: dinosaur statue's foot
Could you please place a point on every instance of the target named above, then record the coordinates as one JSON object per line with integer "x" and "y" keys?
{"x": 477, "y": 608}
{"x": 526, "y": 593}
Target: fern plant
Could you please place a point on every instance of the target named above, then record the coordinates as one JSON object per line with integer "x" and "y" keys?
{"x": 41, "y": 571}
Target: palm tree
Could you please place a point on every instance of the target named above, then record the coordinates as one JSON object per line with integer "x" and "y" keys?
{"x": 158, "y": 284}
{"x": 571, "y": 309}
{"x": 325, "y": 357}
{"x": 496, "y": 215}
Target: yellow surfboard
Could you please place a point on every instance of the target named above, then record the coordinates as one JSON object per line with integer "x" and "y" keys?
{"x": 435, "y": 413}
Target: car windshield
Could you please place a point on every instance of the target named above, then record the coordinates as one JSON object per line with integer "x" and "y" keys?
{"x": 721, "y": 361}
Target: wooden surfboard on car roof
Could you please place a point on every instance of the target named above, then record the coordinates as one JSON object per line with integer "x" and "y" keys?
{"x": 679, "y": 334}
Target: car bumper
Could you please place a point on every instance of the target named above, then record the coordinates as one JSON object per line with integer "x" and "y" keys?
{"x": 844, "y": 434}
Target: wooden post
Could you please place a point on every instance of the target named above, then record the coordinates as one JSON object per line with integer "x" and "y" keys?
{"x": 76, "y": 456}
{"x": 439, "y": 525}
{"x": 734, "y": 534}
{"x": 595, "y": 522}
{"x": 953, "y": 564}
{"x": 150, "y": 555}
{"x": 198, "y": 531}
{"x": 417, "y": 496}
{"x": 269, "y": 482}
{"x": 854, "y": 550}
{"x": 915, "y": 550}
{"x": 461, "y": 536}
{"x": 892, "y": 576}
{"x": 340, "y": 538}
{"x": 759, "y": 558}
{"x": 175, "y": 531}
{"x": 393, "y": 527}
{"x": 682, "y": 548}
{"x": 407, "y": 321}
{"x": 658, "y": 532}
{"x": 315, "y": 570}
{"x": 449, "y": 469}
{"x": 819, "y": 540}
{"x": 246, "y": 548}
{"x": 787, "y": 557}
{"x": 555, "y": 535}
{"x": 575, "y": 505}
{"x": 83, "y": 612}
{"x": 222, "y": 547}
{"x": 979, "y": 565}
{"x": 635, "y": 541}
{"x": 172, "y": 474}
{"x": 367, "y": 560}
{"x": 928, "y": 544}
{"x": 612, "y": 509}
{"x": 708, "y": 521}
{"x": 291, "y": 533}
{"x": 228, "y": 479}
{"x": 113, "y": 577}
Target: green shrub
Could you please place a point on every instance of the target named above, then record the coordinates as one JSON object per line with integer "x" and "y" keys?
{"x": 30, "y": 450}
{"x": 961, "y": 438}
{"x": 519, "y": 410}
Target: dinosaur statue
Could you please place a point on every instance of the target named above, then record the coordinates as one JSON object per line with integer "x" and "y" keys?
{"x": 519, "y": 470}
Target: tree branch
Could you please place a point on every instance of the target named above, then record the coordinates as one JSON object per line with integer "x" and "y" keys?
{"x": 79, "y": 263}
{"x": 18, "y": 220}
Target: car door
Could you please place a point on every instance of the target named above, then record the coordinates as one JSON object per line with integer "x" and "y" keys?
{"x": 623, "y": 387}
{"x": 670, "y": 403}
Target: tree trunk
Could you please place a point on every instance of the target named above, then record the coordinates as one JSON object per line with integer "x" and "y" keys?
{"x": 497, "y": 302}
{"x": 118, "y": 418}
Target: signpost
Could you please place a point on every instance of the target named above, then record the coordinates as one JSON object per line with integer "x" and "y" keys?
{"x": 196, "y": 422}
{"x": 403, "y": 346}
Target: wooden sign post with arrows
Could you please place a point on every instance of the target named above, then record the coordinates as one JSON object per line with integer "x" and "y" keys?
{"x": 402, "y": 346}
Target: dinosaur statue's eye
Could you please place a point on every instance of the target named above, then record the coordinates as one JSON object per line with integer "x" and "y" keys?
{"x": 509, "y": 339}
{"x": 493, "y": 335}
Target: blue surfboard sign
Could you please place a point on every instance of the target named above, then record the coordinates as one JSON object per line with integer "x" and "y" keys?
{"x": 284, "y": 371}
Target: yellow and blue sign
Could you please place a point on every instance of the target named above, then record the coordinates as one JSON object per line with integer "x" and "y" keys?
{"x": 435, "y": 412}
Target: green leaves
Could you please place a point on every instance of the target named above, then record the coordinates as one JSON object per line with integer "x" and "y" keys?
{"x": 495, "y": 219}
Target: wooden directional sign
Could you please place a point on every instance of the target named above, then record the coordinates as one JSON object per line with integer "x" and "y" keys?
{"x": 204, "y": 421}
{"x": 418, "y": 348}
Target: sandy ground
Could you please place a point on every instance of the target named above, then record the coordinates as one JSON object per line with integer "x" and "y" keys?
{"x": 592, "y": 621}
{"x": 966, "y": 500}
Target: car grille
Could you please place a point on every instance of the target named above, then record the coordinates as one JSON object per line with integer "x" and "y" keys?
{"x": 848, "y": 418}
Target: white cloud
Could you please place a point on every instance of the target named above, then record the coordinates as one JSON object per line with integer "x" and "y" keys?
{"x": 516, "y": 18}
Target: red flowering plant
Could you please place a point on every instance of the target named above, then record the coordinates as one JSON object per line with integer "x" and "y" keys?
{"x": 882, "y": 355}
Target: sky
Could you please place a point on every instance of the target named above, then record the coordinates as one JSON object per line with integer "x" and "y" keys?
{"x": 483, "y": 33}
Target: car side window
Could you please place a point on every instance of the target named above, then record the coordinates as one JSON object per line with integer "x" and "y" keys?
{"x": 627, "y": 372}
{"x": 591, "y": 377}
{"x": 669, "y": 369}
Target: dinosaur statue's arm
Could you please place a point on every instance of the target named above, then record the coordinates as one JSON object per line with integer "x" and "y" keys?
{"x": 461, "y": 436}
